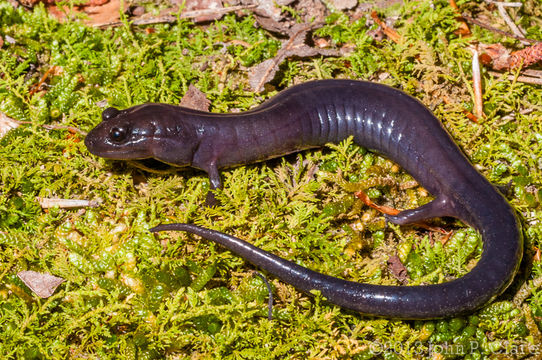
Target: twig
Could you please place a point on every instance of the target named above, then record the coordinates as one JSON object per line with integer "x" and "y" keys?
{"x": 515, "y": 29}
{"x": 477, "y": 85}
{"x": 494, "y": 29}
{"x": 533, "y": 73}
{"x": 47, "y": 203}
{"x": 391, "y": 33}
{"x": 174, "y": 18}
{"x": 526, "y": 290}
{"x": 42, "y": 80}
{"x": 71, "y": 129}
{"x": 508, "y": 4}
{"x": 525, "y": 79}
{"x": 143, "y": 167}
{"x": 467, "y": 113}
{"x": 270, "y": 291}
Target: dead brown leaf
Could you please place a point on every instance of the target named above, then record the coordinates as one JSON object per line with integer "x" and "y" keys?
{"x": 41, "y": 284}
{"x": 99, "y": 14}
{"x": 192, "y": 5}
{"x": 496, "y": 55}
{"x": 195, "y": 99}
{"x": 344, "y": 4}
{"x": 269, "y": 14}
{"x": 397, "y": 269}
{"x": 6, "y": 124}
{"x": 272, "y": 9}
{"x": 295, "y": 46}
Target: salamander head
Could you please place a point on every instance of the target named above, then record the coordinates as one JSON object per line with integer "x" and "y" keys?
{"x": 143, "y": 132}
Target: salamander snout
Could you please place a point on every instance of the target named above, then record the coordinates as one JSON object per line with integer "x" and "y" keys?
{"x": 109, "y": 113}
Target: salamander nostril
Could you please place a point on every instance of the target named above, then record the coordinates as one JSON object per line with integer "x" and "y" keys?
{"x": 109, "y": 113}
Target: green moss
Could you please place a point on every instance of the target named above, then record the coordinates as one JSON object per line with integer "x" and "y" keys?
{"x": 133, "y": 294}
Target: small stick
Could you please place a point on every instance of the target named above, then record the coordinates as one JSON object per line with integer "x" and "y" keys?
{"x": 515, "y": 29}
{"x": 47, "y": 203}
{"x": 270, "y": 291}
{"x": 141, "y": 166}
{"x": 525, "y": 79}
{"x": 526, "y": 290}
{"x": 172, "y": 18}
{"x": 477, "y": 85}
{"x": 391, "y": 33}
{"x": 495, "y": 30}
{"x": 71, "y": 129}
{"x": 467, "y": 113}
{"x": 508, "y": 4}
{"x": 42, "y": 80}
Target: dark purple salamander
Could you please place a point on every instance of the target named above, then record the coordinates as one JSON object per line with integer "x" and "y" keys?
{"x": 310, "y": 115}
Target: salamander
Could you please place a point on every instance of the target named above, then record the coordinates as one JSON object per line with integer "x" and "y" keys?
{"x": 312, "y": 114}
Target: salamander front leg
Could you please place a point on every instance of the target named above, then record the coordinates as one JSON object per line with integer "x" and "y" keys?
{"x": 439, "y": 207}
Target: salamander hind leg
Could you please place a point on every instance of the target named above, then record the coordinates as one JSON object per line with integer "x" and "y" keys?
{"x": 215, "y": 182}
{"x": 439, "y": 207}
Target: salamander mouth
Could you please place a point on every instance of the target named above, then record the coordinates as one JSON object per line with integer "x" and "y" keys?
{"x": 108, "y": 151}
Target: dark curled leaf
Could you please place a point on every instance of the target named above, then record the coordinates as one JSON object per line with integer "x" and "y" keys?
{"x": 42, "y": 284}
{"x": 195, "y": 99}
{"x": 397, "y": 269}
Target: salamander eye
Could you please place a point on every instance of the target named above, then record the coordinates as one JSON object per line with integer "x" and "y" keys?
{"x": 118, "y": 134}
{"x": 109, "y": 113}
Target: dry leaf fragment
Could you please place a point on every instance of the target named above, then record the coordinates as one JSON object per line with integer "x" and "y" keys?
{"x": 269, "y": 14}
{"x": 41, "y": 284}
{"x": 344, "y": 4}
{"x": 397, "y": 269}
{"x": 294, "y": 46}
{"x": 496, "y": 55}
{"x": 6, "y": 124}
{"x": 191, "y": 5}
{"x": 195, "y": 99}
{"x": 271, "y": 8}
{"x": 106, "y": 12}
{"x": 10, "y": 40}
